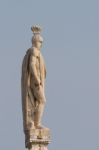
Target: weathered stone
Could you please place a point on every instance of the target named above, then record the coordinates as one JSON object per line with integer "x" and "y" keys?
{"x": 38, "y": 138}
{"x": 33, "y": 77}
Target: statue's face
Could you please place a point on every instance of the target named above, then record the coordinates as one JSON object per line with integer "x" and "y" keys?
{"x": 37, "y": 41}
{"x": 38, "y": 44}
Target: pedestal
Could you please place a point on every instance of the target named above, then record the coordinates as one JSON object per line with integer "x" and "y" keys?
{"x": 38, "y": 139}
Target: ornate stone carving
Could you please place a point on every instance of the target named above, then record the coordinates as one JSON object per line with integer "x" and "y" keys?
{"x": 33, "y": 95}
{"x": 38, "y": 139}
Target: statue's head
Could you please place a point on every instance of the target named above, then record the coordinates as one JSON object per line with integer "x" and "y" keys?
{"x": 37, "y": 38}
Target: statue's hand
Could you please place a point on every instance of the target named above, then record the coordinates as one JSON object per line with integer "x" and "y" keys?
{"x": 37, "y": 83}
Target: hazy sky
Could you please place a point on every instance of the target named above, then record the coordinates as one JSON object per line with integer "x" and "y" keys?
{"x": 71, "y": 52}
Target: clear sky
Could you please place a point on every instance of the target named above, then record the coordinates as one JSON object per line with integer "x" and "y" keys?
{"x": 71, "y": 52}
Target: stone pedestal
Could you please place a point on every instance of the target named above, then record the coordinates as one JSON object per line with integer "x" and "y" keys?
{"x": 38, "y": 139}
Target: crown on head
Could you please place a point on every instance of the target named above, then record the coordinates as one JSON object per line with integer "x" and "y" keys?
{"x": 36, "y": 29}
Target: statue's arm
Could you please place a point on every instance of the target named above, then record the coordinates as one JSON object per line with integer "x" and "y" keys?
{"x": 33, "y": 69}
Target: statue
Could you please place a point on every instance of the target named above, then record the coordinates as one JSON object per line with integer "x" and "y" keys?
{"x": 32, "y": 85}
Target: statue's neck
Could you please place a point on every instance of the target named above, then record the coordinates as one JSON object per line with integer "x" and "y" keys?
{"x": 37, "y": 49}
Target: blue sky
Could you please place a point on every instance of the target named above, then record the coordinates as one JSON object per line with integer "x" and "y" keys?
{"x": 71, "y": 52}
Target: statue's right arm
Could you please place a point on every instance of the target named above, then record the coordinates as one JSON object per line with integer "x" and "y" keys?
{"x": 33, "y": 69}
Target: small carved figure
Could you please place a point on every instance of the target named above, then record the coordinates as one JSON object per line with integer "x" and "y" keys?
{"x": 32, "y": 83}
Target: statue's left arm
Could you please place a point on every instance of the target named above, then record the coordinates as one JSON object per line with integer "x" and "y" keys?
{"x": 33, "y": 69}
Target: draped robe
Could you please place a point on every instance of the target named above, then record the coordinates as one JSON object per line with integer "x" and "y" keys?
{"x": 33, "y": 64}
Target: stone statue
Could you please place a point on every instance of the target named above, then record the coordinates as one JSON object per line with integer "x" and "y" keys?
{"x": 32, "y": 85}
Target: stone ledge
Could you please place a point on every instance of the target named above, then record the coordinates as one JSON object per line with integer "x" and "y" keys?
{"x": 37, "y": 136}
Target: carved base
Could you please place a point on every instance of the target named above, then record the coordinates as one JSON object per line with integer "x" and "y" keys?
{"x": 39, "y": 146}
{"x": 37, "y": 139}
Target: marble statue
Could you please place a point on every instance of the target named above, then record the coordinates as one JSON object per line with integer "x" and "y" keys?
{"x": 32, "y": 85}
